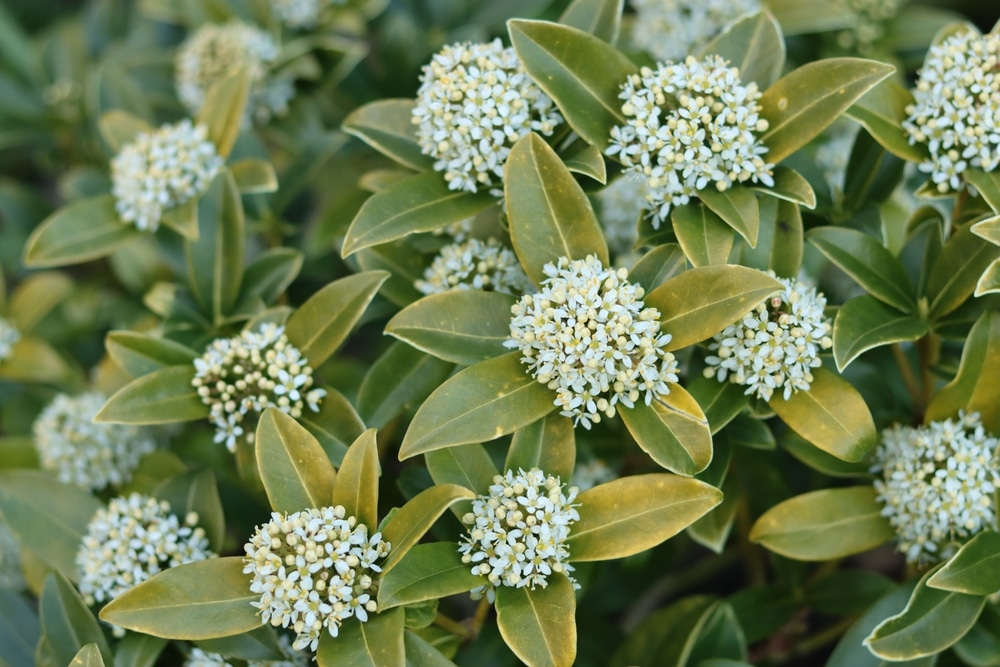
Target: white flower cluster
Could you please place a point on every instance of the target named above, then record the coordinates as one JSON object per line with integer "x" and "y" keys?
{"x": 78, "y": 451}
{"x": 9, "y": 335}
{"x": 956, "y": 109}
{"x": 690, "y": 126}
{"x": 591, "y": 472}
{"x": 250, "y": 373}
{"x": 162, "y": 169}
{"x": 301, "y": 14}
{"x": 483, "y": 265}
{"x": 938, "y": 483}
{"x": 475, "y": 101}
{"x": 314, "y": 569}
{"x": 587, "y": 336}
{"x": 11, "y": 576}
{"x": 215, "y": 51}
{"x": 621, "y": 205}
{"x": 869, "y": 18}
{"x": 669, "y": 29}
{"x": 292, "y": 658}
{"x": 518, "y": 532}
{"x": 775, "y": 345}
{"x": 132, "y": 539}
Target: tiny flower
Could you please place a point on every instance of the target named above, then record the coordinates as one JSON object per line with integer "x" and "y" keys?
{"x": 690, "y": 126}
{"x": 474, "y": 102}
{"x": 314, "y": 569}
{"x": 11, "y": 577}
{"x": 240, "y": 377}
{"x": 669, "y": 29}
{"x": 956, "y": 108}
{"x": 9, "y": 335}
{"x": 587, "y": 336}
{"x": 475, "y": 264}
{"x": 162, "y": 169}
{"x": 517, "y": 532}
{"x": 301, "y": 14}
{"x": 775, "y": 345}
{"x": 937, "y": 484}
{"x": 78, "y": 451}
{"x": 214, "y": 52}
{"x": 621, "y": 205}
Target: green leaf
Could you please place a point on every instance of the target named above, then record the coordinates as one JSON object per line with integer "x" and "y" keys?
{"x": 720, "y": 401}
{"x": 582, "y": 158}
{"x": 420, "y": 203}
{"x": 722, "y": 636}
{"x": 956, "y": 271}
{"x": 932, "y": 621}
{"x": 16, "y": 47}
{"x": 805, "y": 101}
{"x": 881, "y": 111}
{"x": 223, "y": 110}
{"x": 673, "y": 430}
{"x": 415, "y": 518}
{"x": 137, "y": 650}
{"x": 270, "y": 274}
{"x": 667, "y": 637}
{"x": 868, "y": 262}
{"x": 398, "y": 381}
{"x": 84, "y": 230}
{"x": 35, "y": 298}
{"x": 705, "y": 237}
{"x": 20, "y": 630}
{"x": 791, "y": 186}
{"x": 321, "y": 324}
{"x": 260, "y": 644}
{"x": 215, "y": 261}
{"x": 703, "y": 301}
{"x": 549, "y": 444}
{"x": 33, "y": 360}
{"x": 48, "y": 517}
{"x": 183, "y": 219}
{"x": 200, "y": 600}
{"x": 712, "y": 530}
{"x": 295, "y": 470}
{"x": 601, "y": 18}
{"x": 427, "y": 572}
{"x": 581, "y": 72}
{"x": 420, "y": 653}
{"x": 974, "y": 388}
{"x": 779, "y": 241}
{"x": 817, "y": 459}
{"x": 864, "y": 323}
{"x": 466, "y": 465}
{"x": 118, "y": 128}
{"x": 336, "y": 425}
{"x": 851, "y": 652}
{"x": 254, "y": 176}
{"x": 539, "y": 624}
{"x": 161, "y": 397}
{"x": 88, "y": 656}
{"x": 483, "y": 402}
{"x": 405, "y": 264}
{"x": 974, "y": 569}
{"x": 846, "y": 591}
{"x": 989, "y": 282}
{"x": 460, "y": 326}
{"x": 632, "y": 514}
{"x": 754, "y": 45}
{"x": 658, "y": 265}
{"x": 376, "y": 643}
{"x": 737, "y": 207}
{"x": 356, "y": 487}
{"x": 139, "y": 354}
{"x": 312, "y": 153}
{"x": 550, "y": 217}
{"x": 196, "y": 491}
{"x": 387, "y": 126}
{"x": 825, "y": 524}
{"x": 987, "y": 184}
{"x": 67, "y": 623}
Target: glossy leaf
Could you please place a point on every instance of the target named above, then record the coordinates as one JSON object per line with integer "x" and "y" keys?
{"x": 67, "y": 622}
{"x": 720, "y": 401}
{"x": 136, "y": 650}
{"x": 712, "y": 530}
{"x": 196, "y": 491}
{"x": 357, "y": 480}
{"x": 254, "y": 176}
{"x": 215, "y": 261}
{"x": 119, "y": 127}
{"x": 779, "y": 241}
{"x": 754, "y": 45}
{"x": 868, "y": 262}
{"x": 294, "y": 469}
{"x": 335, "y": 426}
{"x": 466, "y": 465}
{"x": 223, "y": 109}
{"x": 539, "y": 624}
{"x": 420, "y": 653}
{"x": 658, "y": 265}
{"x": 88, "y": 656}
{"x": 790, "y": 186}
{"x": 601, "y": 18}
{"x": 864, "y": 323}
{"x": 199, "y": 600}
{"x": 387, "y": 126}
{"x": 974, "y": 569}
{"x": 582, "y": 158}
{"x": 989, "y": 282}
{"x": 427, "y": 572}
{"x": 673, "y": 430}
{"x": 850, "y": 651}
{"x": 270, "y": 274}
{"x": 632, "y": 514}
{"x": 84, "y": 230}
{"x": 415, "y": 518}
{"x": 667, "y": 637}
{"x": 881, "y": 111}
{"x": 737, "y": 207}
{"x": 825, "y": 524}
{"x": 704, "y": 236}
{"x": 481, "y": 403}
{"x": 161, "y": 397}
{"x": 550, "y": 216}
{"x": 376, "y": 643}
{"x": 35, "y": 298}
{"x": 817, "y": 459}
{"x": 139, "y": 354}
{"x": 405, "y": 265}
{"x": 987, "y": 185}
{"x": 955, "y": 273}
{"x": 397, "y": 382}
{"x": 549, "y": 444}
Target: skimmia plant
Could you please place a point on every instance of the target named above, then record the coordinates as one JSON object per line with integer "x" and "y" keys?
{"x": 415, "y": 334}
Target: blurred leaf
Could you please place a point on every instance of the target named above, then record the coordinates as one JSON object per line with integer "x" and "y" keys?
{"x": 954, "y": 274}
{"x": 260, "y": 644}
{"x": 380, "y": 179}
{"x": 419, "y": 653}
{"x": 851, "y": 652}
{"x": 335, "y": 426}
{"x": 33, "y": 360}
{"x": 824, "y": 524}
{"x": 806, "y": 100}
{"x": 399, "y": 380}
{"x": 139, "y": 354}
{"x": 989, "y": 282}
{"x": 550, "y": 217}
{"x": 632, "y": 514}
{"x": 460, "y": 326}
{"x": 466, "y": 465}
{"x": 387, "y": 126}
{"x": 722, "y": 637}
{"x": 864, "y": 323}
{"x": 581, "y": 72}
{"x": 974, "y": 569}
{"x": 137, "y": 650}
{"x": 601, "y": 18}
{"x": 376, "y": 643}
{"x": 673, "y": 430}
{"x": 868, "y": 262}
{"x": 881, "y": 111}
{"x": 18, "y": 451}
{"x": 667, "y": 637}
{"x": 844, "y": 592}
{"x": 658, "y": 265}
{"x": 321, "y": 324}
{"x": 200, "y": 600}
{"x": 582, "y": 158}
{"x": 754, "y": 45}
{"x": 196, "y": 491}
{"x": 67, "y": 623}
{"x": 20, "y": 628}
{"x": 79, "y": 232}
{"x": 294, "y": 469}
{"x": 310, "y": 157}
{"x": 986, "y": 184}
{"x": 215, "y": 261}
{"x": 548, "y": 444}
{"x": 539, "y": 624}
{"x": 356, "y": 487}
{"x": 16, "y": 48}
{"x": 118, "y": 128}
{"x": 161, "y": 397}
{"x": 223, "y": 110}
{"x": 254, "y": 176}
{"x": 483, "y": 402}
{"x": 154, "y": 468}
{"x": 270, "y": 274}
{"x": 88, "y": 656}
{"x": 35, "y": 298}
{"x": 427, "y": 572}
{"x": 704, "y": 236}
{"x": 737, "y": 207}
{"x": 409, "y": 524}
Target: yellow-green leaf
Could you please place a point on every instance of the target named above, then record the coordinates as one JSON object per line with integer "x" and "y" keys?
{"x": 375, "y": 643}
{"x": 754, "y": 45}
{"x": 33, "y": 360}
{"x": 196, "y": 491}
{"x": 387, "y": 126}
{"x": 223, "y": 110}
{"x": 139, "y": 354}
{"x": 705, "y": 237}
{"x": 415, "y": 518}
{"x": 779, "y": 240}
{"x": 335, "y": 426}
{"x": 790, "y": 186}
{"x": 881, "y": 111}
{"x": 88, "y": 656}
{"x": 601, "y": 18}
{"x": 673, "y": 430}
{"x": 989, "y": 282}
{"x": 183, "y": 219}
{"x": 161, "y": 397}
{"x": 864, "y": 323}
{"x": 427, "y": 572}
{"x": 549, "y": 444}
{"x": 539, "y": 624}
{"x": 254, "y": 176}
{"x": 118, "y": 127}
{"x": 296, "y": 472}
{"x": 657, "y": 266}
{"x": 466, "y": 465}
{"x": 84, "y": 230}
{"x": 987, "y": 185}
{"x": 356, "y": 487}
{"x": 737, "y": 207}
{"x": 35, "y": 298}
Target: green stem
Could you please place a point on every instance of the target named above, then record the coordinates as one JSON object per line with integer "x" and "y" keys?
{"x": 928, "y": 350}
{"x": 451, "y": 625}
{"x": 822, "y": 638}
{"x": 756, "y": 571}
{"x": 480, "y": 617}
{"x": 909, "y": 379}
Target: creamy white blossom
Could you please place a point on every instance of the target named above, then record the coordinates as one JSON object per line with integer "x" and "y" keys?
{"x": 776, "y": 345}
{"x": 621, "y": 204}
{"x": 669, "y": 29}
{"x": 484, "y": 265}
{"x": 314, "y": 569}
{"x": 956, "y": 108}
{"x": 132, "y": 539}
{"x": 518, "y": 531}
{"x": 11, "y": 576}
{"x": 301, "y": 14}
{"x": 690, "y": 126}
{"x": 588, "y": 337}
{"x": 78, "y": 451}
{"x": 161, "y": 169}
{"x": 869, "y": 21}
{"x": 9, "y": 335}
{"x": 474, "y": 102}
{"x": 240, "y": 377}
{"x": 937, "y": 484}
{"x": 215, "y": 51}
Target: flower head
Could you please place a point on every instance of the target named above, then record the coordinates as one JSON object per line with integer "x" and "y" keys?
{"x": 10, "y": 559}
{"x": 240, "y": 377}
{"x": 9, "y": 335}
{"x": 162, "y": 169}
{"x": 475, "y": 101}
{"x": 214, "y": 52}
{"x": 314, "y": 569}
{"x": 690, "y": 126}
{"x": 79, "y": 451}
{"x": 956, "y": 108}
{"x": 483, "y": 265}
{"x": 669, "y": 29}
{"x": 301, "y": 14}
{"x": 775, "y": 345}
{"x": 937, "y": 484}
{"x": 132, "y": 539}
{"x": 517, "y": 533}
{"x": 587, "y": 336}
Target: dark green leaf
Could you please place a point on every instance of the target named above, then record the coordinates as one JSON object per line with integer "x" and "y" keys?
{"x": 850, "y": 651}
{"x": 398, "y": 381}
{"x": 139, "y": 354}
{"x": 864, "y": 323}
{"x": 666, "y": 638}
{"x": 658, "y": 265}
{"x": 137, "y": 650}
{"x": 974, "y": 570}
{"x": 673, "y": 430}
{"x": 868, "y": 262}
{"x": 387, "y": 126}
{"x": 415, "y": 518}
{"x": 427, "y": 572}
{"x": 956, "y": 271}
{"x": 881, "y": 111}
{"x": 215, "y": 261}
{"x": 20, "y": 628}
{"x": 196, "y": 491}
{"x": 466, "y": 465}
{"x": 84, "y": 230}
{"x": 737, "y": 207}
{"x": 67, "y": 622}
{"x": 336, "y": 425}
{"x": 601, "y": 18}
{"x": 720, "y": 401}
{"x": 376, "y": 643}
{"x": 270, "y": 274}
{"x": 704, "y": 236}
{"x": 754, "y": 45}
{"x": 549, "y": 444}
